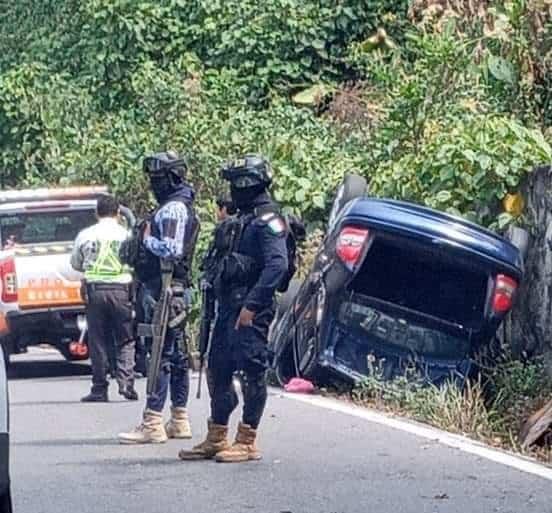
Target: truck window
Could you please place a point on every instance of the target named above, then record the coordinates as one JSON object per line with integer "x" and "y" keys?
{"x": 44, "y": 227}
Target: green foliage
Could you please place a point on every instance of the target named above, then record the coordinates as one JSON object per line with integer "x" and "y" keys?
{"x": 90, "y": 87}
{"x": 443, "y": 140}
{"x": 274, "y": 44}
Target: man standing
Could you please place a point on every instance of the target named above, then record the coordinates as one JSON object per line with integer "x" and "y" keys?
{"x": 109, "y": 312}
{"x": 171, "y": 237}
{"x": 253, "y": 268}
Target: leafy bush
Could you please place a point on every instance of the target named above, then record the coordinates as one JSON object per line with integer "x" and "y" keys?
{"x": 442, "y": 140}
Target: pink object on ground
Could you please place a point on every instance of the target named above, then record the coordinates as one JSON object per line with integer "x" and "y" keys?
{"x": 299, "y": 386}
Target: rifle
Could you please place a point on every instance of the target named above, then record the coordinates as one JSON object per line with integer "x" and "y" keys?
{"x": 158, "y": 327}
{"x": 207, "y": 316}
{"x": 225, "y": 237}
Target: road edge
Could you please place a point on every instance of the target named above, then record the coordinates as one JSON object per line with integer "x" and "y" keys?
{"x": 455, "y": 441}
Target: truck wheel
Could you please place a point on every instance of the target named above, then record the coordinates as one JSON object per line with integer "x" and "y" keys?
{"x": 353, "y": 186}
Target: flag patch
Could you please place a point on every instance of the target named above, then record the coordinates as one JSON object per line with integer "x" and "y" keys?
{"x": 277, "y": 225}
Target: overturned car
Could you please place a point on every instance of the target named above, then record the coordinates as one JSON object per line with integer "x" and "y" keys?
{"x": 394, "y": 287}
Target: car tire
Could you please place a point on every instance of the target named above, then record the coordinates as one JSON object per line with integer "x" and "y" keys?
{"x": 286, "y": 299}
{"x": 6, "y": 503}
{"x": 353, "y": 186}
{"x": 285, "y": 369}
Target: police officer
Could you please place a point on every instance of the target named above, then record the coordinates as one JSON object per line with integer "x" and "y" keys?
{"x": 107, "y": 286}
{"x": 225, "y": 207}
{"x": 171, "y": 235}
{"x": 248, "y": 278}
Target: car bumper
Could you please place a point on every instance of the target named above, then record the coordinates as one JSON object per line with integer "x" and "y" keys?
{"x": 44, "y": 325}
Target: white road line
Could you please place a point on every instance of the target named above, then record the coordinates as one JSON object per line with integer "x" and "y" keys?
{"x": 457, "y": 441}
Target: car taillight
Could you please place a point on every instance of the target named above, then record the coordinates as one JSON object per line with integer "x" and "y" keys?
{"x": 504, "y": 293}
{"x": 350, "y": 244}
{"x": 9, "y": 280}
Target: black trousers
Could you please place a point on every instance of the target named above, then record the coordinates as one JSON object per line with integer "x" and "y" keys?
{"x": 109, "y": 315}
{"x": 243, "y": 351}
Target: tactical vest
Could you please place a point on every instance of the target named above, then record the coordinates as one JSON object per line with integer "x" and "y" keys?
{"x": 239, "y": 269}
{"x": 151, "y": 270}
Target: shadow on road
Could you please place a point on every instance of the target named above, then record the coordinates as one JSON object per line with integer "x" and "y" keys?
{"x": 29, "y": 369}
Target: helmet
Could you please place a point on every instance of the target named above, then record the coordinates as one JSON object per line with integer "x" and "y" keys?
{"x": 166, "y": 171}
{"x": 161, "y": 164}
{"x": 249, "y": 171}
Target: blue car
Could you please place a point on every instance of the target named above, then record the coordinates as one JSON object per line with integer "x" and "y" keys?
{"x": 395, "y": 287}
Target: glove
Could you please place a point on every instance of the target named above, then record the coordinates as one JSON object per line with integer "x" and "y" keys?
{"x": 178, "y": 311}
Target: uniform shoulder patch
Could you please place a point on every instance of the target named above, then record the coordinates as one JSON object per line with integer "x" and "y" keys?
{"x": 276, "y": 225}
{"x": 268, "y": 216}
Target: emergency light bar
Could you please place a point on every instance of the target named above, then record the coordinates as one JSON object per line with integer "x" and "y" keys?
{"x": 64, "y": 193}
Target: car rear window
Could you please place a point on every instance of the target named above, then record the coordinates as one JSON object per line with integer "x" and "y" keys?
{"x": 43, "y": 227}
{"x": 377, "y": 324}
{"x": 428, "y": 279}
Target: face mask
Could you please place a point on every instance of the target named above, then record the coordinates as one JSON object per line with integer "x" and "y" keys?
{"x": 161, "y": 187}
{"x": 244, "y": 197}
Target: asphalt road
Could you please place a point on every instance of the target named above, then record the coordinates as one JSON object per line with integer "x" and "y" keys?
{"x": 65, "y": 458}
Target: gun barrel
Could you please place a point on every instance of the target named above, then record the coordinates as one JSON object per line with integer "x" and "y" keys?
{"x": 159, "y": 327}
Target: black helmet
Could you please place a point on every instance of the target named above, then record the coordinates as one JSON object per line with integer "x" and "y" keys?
{"x": 248, "y": 171}
{"x": 166, "y": 171}
{"x": 161, "y": 164}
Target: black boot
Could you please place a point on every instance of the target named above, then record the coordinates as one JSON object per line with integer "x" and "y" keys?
{"x": 95, "y": 397}
{"x": 128, "y": 392}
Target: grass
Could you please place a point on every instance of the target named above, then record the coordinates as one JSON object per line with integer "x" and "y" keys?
{"x": 490, "y": 409}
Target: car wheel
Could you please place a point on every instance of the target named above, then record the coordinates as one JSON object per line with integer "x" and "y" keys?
{"x": 6, "y": 503}
{"x": 353, "y": 186}
{"x": 286, "y": 299}
{"x": 285, "y": 369}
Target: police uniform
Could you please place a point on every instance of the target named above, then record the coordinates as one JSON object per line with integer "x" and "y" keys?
{"x": 167, "y": 240}
{"x": 109, "y": 308}
{"x": 254, "y": 266}
{"x": 174, "y": 228}
{"x": 245, "y": 349}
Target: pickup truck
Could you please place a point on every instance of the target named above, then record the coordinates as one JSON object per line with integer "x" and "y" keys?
{"x": 40, "y": 299}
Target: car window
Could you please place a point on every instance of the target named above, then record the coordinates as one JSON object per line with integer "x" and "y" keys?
{"x": 43, "y": 227}
{"x": 394, "y": 330}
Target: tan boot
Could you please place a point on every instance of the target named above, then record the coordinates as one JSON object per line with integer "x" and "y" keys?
{"x": 179, "y": 424}
{"x": 243, "y": 449}
{"x": 215, "y": 442}
{"x": 150, "y": 431}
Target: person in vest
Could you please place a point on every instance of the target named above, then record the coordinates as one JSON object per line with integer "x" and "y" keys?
{"x": 109, "y": 311}
{"x": 250, "y": 273}
{"x": 170, "y": 235}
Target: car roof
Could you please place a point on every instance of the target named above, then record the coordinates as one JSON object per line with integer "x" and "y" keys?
{"x": 51, "y": 194}
{"x": 439, "y": 226}
{"x": 51, "y": 206}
